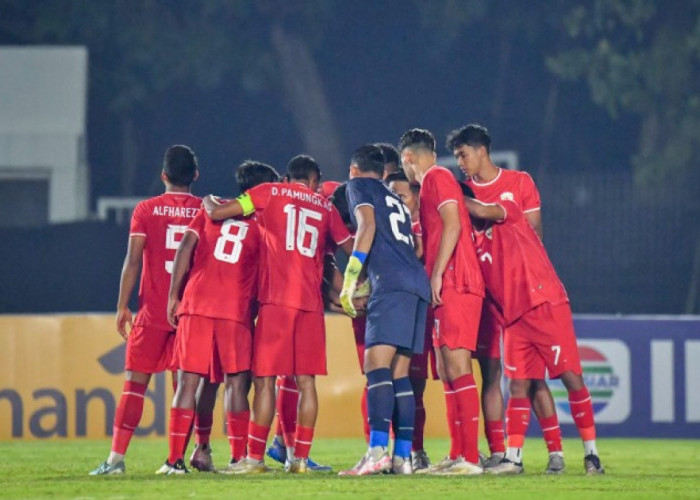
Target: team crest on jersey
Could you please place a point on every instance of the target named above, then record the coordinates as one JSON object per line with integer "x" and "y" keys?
{"x": 507, "y": 196}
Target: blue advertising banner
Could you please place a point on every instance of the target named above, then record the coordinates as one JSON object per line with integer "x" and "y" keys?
{"x": 643, "y": 373}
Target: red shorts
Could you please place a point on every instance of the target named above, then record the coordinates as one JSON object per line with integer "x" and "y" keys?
{"x": 150, "y": 350}
{"x": 488, "y": 341}
{"x": 456, "y": 322}
{"x": 542, "y": 338}
{"x": 358, "y": 327}
{"x": 419, "y": 362}
{"x": 212, "y": 346}
{"x": 289, "y": 342}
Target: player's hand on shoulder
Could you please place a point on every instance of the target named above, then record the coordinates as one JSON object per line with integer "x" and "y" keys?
{"x": 209, "y": 202}
{"x": 124, "y": 318}
{"x": 173, "y": 304}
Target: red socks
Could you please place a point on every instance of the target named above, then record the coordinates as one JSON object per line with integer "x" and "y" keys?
{"x": 302, "y": 445}
{"x": 517, "y": 420}
{"x": 237, "y": 425}
{"x": 551, "y": 433}
{"x": 582, "y": 413}
{"x": 419, "y": 423}
{"x": 467, "y": 399}
{"x": 257, "y": 439}
{"x": 128, "y": 415}
{"x": 180, "y": 423}
{"x": 287, "y": 402}
{"x": 453, "y": 423}
{"x": 495, "y": 435}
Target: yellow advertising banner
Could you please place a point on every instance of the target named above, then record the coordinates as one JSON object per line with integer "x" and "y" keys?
{"x": 61, "y": 377}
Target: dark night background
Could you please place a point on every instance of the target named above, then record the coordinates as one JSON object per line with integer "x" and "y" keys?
{"x": 600, "y": 99}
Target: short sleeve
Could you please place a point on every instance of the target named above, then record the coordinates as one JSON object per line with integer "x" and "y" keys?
{"x": 138, "y": 220}
{"x": 197, "y": 224}
{"x": 260, "y": 195}
{"x": 358, "y": 196}
{"x": 513, "y": 212}
{"x": 339, "y": 233}
{"x": 444, "y": 188}
{"x": 530, "y": 196}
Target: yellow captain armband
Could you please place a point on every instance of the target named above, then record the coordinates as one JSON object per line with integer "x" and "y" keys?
{"x": 246, "y": 203}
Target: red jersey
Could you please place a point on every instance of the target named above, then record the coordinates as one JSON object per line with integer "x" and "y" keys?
{"x": 162, "y": 220}
{"x": 462, "y": 273}
{"x": 508, "y": 185}
{"x": 518, "y": 273}
{"x": 223, "y": 279}
{"x": 296, "y": 225}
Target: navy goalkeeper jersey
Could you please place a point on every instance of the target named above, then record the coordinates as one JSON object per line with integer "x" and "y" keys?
{"x": 391, "y": 262}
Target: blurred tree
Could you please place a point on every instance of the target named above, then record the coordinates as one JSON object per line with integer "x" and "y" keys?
{"x": 642, "y": 57}
{"x": 141, "y": 48}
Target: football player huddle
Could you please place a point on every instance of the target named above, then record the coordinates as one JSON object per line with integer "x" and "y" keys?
{"x": 438, "y": 272}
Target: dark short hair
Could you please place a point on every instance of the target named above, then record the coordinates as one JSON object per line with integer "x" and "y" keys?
{"x": 471, "y": 135}
{"x": 417, "y": 138}
{"x": 339, "y": 199}
{"x": 466, "y": 190}
{"x": 400, "y": 176}
{"x": 391, "y": 154}
{"x": 250, "y": 173}
{"x": 368, "y": 158}
{"x": 303, "y": 167}
{"x": 180, "y": 165}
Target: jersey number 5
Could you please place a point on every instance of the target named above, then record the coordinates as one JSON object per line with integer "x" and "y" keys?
{"x": 297, "y": 231}
{"x": 173, "y": 237}
{"x": 227, "y": 237}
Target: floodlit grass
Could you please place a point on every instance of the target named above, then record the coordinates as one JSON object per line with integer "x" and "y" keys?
{"x": 636, "y": 468}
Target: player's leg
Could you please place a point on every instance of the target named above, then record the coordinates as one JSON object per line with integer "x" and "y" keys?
{"x": 260, "y": 422}
{"x": 546, "y": 413}
{"x": 203, "y": 420}
{"x": 181, "y": 418}
{"x": 493, "y": 408}
{"x": 461, "y": 379}
{"x": 237, "y": 413}
{"x": 148, "y": 351}
{"x": 404, "y": 413}
{"x": 558, "y": 347}
{"x": 358, "y": 328}
{"x": 287, "y": 408}
{"x": 419, "y": 458}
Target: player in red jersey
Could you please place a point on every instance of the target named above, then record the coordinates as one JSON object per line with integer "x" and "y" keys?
{"x": 539, "y": 335}
{"x": 296, "y": 225}
{"x": 457, "y": 294}
{"x": 418, "y": 371}
{"x": 157, "y": 225}
{"x": 490, "y": 184}
{"x": 217, "y": 266}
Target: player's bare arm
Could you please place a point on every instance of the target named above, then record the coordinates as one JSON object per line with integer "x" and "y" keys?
{"x": 418, "y": 246}
{"x": 221, "y": 211}
{"x": 535, "y": 219}
{"x": 487, "y": 211}
{"x": 127, "y": 282}
{"x": 451, "y": 229}
{"x": 181, "y": 265}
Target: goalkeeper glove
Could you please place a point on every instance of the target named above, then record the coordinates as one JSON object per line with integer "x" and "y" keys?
{"x": 352, "y": 273}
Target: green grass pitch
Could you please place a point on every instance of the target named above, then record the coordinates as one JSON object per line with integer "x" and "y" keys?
{"x": 636, "y": 468}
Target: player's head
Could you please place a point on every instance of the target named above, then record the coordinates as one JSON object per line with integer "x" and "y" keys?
{"x": 392, "y": 162}
{"x": 367, "y": 161}
{"x": 180, "y": 166}
{"x": 471, "y": 146}
{"x": 409, "y": 193}
{"x": 305, "y": 169}
{"x": 339, "y": 200}
{"x": 417, "y": 150}
{"x": 250, "y": 173}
